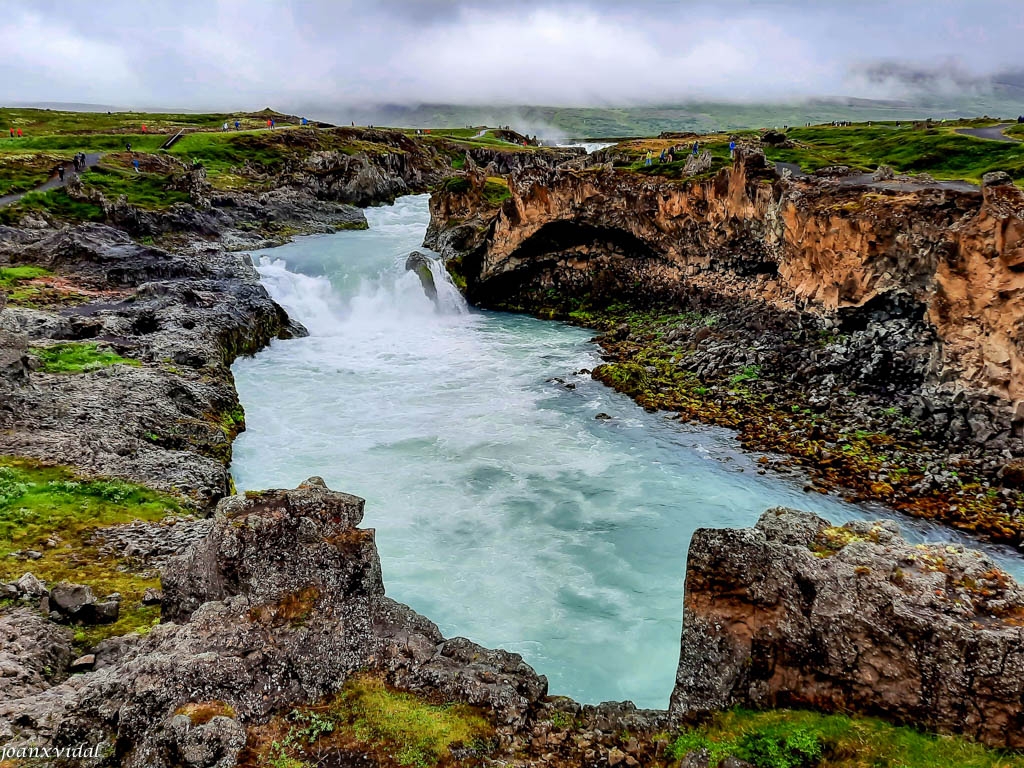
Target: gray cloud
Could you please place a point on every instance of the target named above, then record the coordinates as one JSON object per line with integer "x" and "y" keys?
{"x": 288, "y": 53}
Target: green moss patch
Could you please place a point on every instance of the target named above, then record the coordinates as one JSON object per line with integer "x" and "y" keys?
{"x": 53, "y": 511}
{"x": 456, "y": 185}
{"x": 36, "y": 288}
{"x": 12, "y": 277}
{"x": 796, "y": 739}
{"x": 78, "y": 358}
{"x": 496, "y": 191}
{"x": 142, "y": 190}
{"x": 369, "y": 717}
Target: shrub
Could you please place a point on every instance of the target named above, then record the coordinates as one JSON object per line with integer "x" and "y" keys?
{"x": 781, "y": 746}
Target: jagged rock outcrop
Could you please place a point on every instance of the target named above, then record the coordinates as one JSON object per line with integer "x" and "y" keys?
{"x": 185, "y": 315}
{"x": 796, "y": 612}
{"x": 277, "y": 607}
{"x": 504, "y": 161}
{"x": 360, "y": 178}
{"x": 34, "y": 652}
{"x": 420, "y": 264}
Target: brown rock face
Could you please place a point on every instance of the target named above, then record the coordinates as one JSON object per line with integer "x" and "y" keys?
{"x": 795, "y": 612}
{"x": 946, "y": 257}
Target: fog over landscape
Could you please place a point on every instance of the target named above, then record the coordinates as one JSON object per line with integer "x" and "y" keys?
{"x": 306, "y": 54}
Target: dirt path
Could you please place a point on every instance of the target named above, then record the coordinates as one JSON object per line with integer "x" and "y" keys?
{"x": 53, "y": 183}
{"x": 992, "y": 133}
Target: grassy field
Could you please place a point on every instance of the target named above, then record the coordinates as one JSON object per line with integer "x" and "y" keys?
{"x": 939, "y": 151}
{"x": 49, "y": 122}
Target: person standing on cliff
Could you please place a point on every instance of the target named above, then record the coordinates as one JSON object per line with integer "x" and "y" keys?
{"x": 19, "y": 133}
{"x": 237, "y": 124}
{"x": 60, "y": 171}
{"x": 732, "y": 149}
{"x": 696, "y": 148}
{"x": 135, "y": 165}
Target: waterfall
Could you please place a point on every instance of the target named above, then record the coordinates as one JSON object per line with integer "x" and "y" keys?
{"x": 449, "y": 300}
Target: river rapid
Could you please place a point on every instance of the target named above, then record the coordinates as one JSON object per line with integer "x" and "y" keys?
{"x": 505, "y": 511}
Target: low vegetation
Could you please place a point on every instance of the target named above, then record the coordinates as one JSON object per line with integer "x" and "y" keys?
{"x": 142, "y": 190}
{"x": 53, "y": 512}
{"x": 370, "y": 718}
{"x": 496, "y": 190}
{"x": 798, "y": 739}
{"x": 12, "y": 280}
{"x": 933, "y": 149}
{"x": 36, "y": 287}
{"x": 54, "y": 202}
{"x": 25, "y": 171}
{"x": 78, "y": 357}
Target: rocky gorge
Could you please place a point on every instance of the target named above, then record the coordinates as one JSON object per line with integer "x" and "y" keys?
{"x": 895, "y": 303}
{"x": 274, "y": 630}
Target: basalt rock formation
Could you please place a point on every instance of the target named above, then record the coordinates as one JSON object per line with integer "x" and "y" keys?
{"x": 796, "y": 612}
{"x": 276, "y": 607}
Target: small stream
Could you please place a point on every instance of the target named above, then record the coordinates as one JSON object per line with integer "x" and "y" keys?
{"x": 504, "y": 510}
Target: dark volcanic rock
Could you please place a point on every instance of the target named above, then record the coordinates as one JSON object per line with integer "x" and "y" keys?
{"x": 795, "y": 612}
{"x": 280, "y": 604}
{"x": 184, "y": 315}
{"x": 33, "y": 652}
{"x": 420, "y": 264}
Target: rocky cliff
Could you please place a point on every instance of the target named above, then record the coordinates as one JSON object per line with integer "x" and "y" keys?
{"x": 797, "y": 612}
{"x": 947, "y": 258}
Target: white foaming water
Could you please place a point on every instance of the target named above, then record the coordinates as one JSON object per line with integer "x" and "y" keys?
{"x": 590, "y": 146}
{"x": 505, "y": 512}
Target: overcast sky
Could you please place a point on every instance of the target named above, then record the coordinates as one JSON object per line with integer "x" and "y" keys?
{"x": 288, "y": 53}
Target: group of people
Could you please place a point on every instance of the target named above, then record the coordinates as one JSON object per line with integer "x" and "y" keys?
{"x": 670, "y": 155}
{"x": 79, "y": 161}
{"x": 15, "y": 132}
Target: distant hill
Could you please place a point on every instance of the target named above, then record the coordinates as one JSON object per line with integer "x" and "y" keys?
{"x": 598, "y": 122}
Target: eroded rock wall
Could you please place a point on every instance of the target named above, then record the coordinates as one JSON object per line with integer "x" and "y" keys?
{"x": 796, "y": 612}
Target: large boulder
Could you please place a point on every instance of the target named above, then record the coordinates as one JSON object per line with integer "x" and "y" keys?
{"x": 797, "y": 612}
